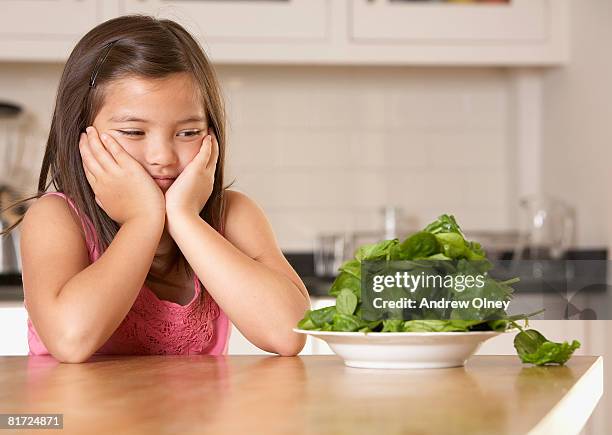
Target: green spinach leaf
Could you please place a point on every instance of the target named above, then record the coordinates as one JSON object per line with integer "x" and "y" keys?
{"x": 322, "y": 315}
{"x": 532, "y": 347}
{"x": 419, "y": 245}
{"x": 346, "y": 302}
{"x": 346, "y": 280}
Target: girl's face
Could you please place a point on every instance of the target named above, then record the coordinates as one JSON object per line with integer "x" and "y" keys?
{"x": 161, "y": 123}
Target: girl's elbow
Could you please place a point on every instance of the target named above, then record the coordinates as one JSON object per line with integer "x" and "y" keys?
{"x": 71, "y": 358}
{"x": 292, "y": 345}
{"x": 71, "y": 349}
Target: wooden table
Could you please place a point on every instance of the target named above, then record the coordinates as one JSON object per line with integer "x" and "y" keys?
{"x": 300, "y": 395}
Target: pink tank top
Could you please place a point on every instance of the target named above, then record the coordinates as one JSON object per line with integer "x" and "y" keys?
{"x": 154, "y": 326}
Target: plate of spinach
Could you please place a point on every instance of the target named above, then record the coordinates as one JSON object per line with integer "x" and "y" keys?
{"x": 423, "y": 341}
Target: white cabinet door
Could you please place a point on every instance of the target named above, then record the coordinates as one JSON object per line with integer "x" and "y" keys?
{"x": 518, "y": 32}
{"x": 47, "y": 18}
{"x": 47, "y": 30}
{"x": 242, "y": 21}
{"x": 364, "y": 32}
{"x": 524, "y": 20}
{"x": 14, "y": 327}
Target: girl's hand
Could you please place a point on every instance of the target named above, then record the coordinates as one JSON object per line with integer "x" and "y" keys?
{"x": 192, "y": 188}
{"x": 123, "y": 188}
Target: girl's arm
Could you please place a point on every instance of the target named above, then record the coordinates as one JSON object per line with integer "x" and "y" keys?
{"x": 246, "y": 273}
{"x": 76, "y": 306}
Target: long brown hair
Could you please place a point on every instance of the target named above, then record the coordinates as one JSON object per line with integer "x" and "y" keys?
{"x": 145, "y": 47}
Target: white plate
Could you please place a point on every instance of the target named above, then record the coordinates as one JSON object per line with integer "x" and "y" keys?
{"x": 403, "y": 350}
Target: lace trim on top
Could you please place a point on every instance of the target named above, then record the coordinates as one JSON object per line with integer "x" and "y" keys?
{"x": 159, "y": 327}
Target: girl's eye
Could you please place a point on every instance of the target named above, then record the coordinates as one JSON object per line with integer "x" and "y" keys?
{"x": 138, "y": 133}
{"x": 193, "y": 133}
{"x": 130, "y": 133}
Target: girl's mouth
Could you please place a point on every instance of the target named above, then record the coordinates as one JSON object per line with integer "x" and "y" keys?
{"x": 164, "y": 182}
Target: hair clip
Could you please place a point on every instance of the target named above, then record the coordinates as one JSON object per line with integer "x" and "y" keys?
{"x": 107, "y": 47}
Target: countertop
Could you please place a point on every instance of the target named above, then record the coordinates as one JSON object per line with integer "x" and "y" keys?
{"x": 301, "y": 395}
{"x": 12, "y": 293}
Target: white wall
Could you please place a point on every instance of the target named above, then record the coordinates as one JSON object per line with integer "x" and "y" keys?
{"x": 323, "y": 148}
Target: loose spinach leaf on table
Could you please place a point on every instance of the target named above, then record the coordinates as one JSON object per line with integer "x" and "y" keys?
{"x": 532, "y": 347}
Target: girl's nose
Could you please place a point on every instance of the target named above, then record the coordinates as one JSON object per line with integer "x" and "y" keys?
{"x": 161, "y": 152}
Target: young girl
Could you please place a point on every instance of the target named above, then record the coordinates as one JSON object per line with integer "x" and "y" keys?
{"x": 142, "y": 250}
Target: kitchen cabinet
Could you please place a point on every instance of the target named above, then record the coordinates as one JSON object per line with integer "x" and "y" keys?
{"x": 46, "y": 30}
{"x": 349, "y": 32}
{"x": 25, "y": 20}
{"x": 240, "y": 21}
{"x": 521, "y": 31}
{"x": 406, "y": 22}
